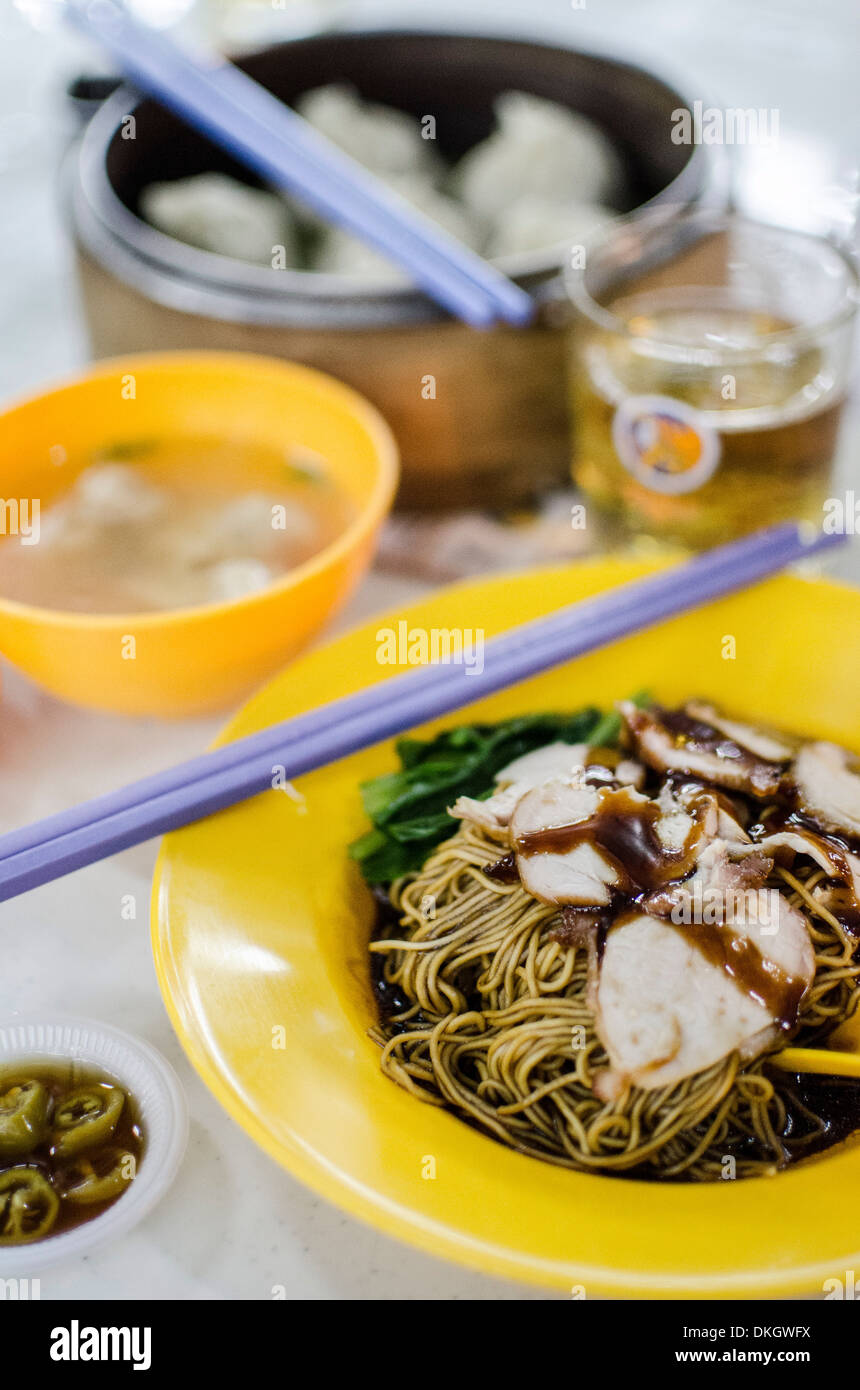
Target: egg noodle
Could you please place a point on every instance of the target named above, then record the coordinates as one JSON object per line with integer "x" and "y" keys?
{"x": 491, "y": 1019}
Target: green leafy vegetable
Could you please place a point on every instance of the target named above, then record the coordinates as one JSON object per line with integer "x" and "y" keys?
{"x": 408, "y": 808}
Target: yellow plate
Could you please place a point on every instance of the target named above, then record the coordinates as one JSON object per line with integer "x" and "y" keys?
{"x": 260, "y": 923}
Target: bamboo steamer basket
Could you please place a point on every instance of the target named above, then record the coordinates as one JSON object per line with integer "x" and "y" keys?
{"x": 491, "y": 427}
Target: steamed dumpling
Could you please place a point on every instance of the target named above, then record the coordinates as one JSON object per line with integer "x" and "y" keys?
{"x": 340, "y": 253}
{"x": 532, "y": 224}
{"x": 539, "y": 150}
{"x": 538, "y": 181}
{"x": 218, "y": 213}
{"x": 382, "y": 139}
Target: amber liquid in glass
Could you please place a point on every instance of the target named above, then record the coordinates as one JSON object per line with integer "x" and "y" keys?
{"x": 774, "y": 416}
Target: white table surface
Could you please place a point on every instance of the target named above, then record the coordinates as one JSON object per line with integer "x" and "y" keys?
{"x": 234, "y": 1225}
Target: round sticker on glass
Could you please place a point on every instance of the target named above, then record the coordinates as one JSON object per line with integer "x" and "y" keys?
{"x": 665, "y": 444}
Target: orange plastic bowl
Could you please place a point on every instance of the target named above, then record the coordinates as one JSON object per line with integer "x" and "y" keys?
{"x": 191, "y": 660}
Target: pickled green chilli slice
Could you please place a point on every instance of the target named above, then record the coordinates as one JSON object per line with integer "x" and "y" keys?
{"x": 28, "y": 1205}
{"x": 23, "y": 1118}
{"x": 97, "y": 1178}
{"x": 86, "y": 1117}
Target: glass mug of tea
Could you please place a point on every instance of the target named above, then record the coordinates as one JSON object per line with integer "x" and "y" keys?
{"x": 711, "y": 357}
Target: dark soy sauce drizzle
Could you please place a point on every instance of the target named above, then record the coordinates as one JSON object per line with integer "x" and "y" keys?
{"x": 761, "y": 978}
{"x": 388, "y": 998}
{"x": 690, "y": 732}
{"x": 834, "y": 843}
{"x": 821, "y": 1111}
{"x": 504, "y": 870}
{"x": 702, "y": 739}
{"x": 624, "y": 829}
{"x": 687, "y": 730}
{"x": 738, "y": 806}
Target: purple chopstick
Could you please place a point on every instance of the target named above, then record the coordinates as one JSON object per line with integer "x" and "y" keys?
{"x": 281, "y": 737}
{"x": 224, "y": 103}
{"x": 36, "y": 854}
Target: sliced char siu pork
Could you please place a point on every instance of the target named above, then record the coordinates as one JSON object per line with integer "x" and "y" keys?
{"x": 678, "y": 741}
